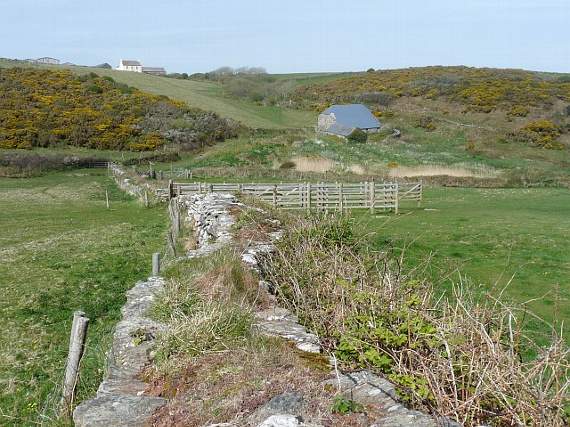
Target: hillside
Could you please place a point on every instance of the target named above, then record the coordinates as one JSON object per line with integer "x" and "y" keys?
{"x": 201, "y": 94}
{"x": 44, "y": 108}
{"x": 477, "y": 89}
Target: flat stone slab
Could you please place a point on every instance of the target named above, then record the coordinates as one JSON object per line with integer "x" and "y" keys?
{"x": 117, "y": 411}
{"x": 280, "y": 322}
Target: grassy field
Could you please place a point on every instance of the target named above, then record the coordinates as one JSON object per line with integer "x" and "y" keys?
{"x": 62, "y": 250}
{"x": 488, "y": 238}
{"x": 205, "y": 95}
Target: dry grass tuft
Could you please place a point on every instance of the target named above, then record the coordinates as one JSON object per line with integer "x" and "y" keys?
{"x": 465, "y": 357}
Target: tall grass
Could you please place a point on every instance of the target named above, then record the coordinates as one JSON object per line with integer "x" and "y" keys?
{"x": 208, "y": 305}
{"x": 462, "y": 357}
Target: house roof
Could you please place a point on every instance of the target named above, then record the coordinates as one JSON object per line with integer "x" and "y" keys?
{"x": 129, "y": 62}
{"x": 351, "y": 116}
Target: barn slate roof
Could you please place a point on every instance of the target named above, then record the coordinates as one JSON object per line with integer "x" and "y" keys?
{"x": 351, "y": 116}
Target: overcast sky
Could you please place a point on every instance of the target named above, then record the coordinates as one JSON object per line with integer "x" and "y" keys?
{"x": 291, "y": 35}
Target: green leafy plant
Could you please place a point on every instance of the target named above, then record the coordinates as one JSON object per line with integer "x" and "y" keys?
{"x": 344, "y": 406}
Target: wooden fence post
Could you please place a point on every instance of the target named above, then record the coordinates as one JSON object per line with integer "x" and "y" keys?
{"x": 155, "y": 264}
{"x": 421, "y": 192}
{"x": 107, "y": 197}
{"x": 372, "y": 196}
{"x": 308, "y": 196}
{"x": 341, "y": 198}
{"x": 76, "y": 346}
{"x": 397, "y": 198}
{"x": 274, "y": 196}
{"x": 145, "y": 198}
{"x": 170, "y": 189}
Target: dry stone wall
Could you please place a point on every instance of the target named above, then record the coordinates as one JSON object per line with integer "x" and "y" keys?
{"x": 120, "y": 399}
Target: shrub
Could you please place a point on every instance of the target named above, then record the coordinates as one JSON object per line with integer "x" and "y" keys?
{"x": 427, "y": 123}
{"x": 289, "y": 164}
{"x": 358, "y": 136}
{"x": 542, "y": 133}
{"x": 518, "y": 111}
{"x": 380, "y": 98}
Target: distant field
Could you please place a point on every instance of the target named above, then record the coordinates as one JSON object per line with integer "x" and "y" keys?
{"x": 207, "y": 96}
{"x": 488, "y": 237}
{"x": 62, "y": 250}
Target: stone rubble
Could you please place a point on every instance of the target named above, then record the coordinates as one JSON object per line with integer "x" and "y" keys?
{"x": 211, "y": 219}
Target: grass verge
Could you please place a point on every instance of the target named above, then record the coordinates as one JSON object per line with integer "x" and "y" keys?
{"x": 62, "y": 250}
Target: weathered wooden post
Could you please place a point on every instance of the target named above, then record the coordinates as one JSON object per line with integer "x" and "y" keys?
{"x": 160, "y": 175}
{"x": 341, "y": 198}
{"x": 211, "y": 188}
{"x": 76, "y": 346}
{"x": 308, "y": 196}
{"x": 396, "y": 202}
{"x": 421, "y": 193}
{"x": 107, "y": 197}
{"x": 274, "y": 195}
{"x": 372, "y": 196}
{"x": 156, "y": 264}
{"x": 187, "y": 174}
{"x": 170, "y": 189}
{"x": 145, "y": 198}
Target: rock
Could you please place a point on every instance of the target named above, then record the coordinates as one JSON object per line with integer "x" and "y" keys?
{"x": 281, "y": 323}
{"x": 286, "y": 403}
{"x": 116, "y": 411}
{"x": 281, "y": 421}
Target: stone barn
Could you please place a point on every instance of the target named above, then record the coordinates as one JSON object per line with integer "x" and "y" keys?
{"x": 342, "y": 120}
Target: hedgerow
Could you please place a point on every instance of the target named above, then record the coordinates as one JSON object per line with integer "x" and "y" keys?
{"x": 42, "y": 108}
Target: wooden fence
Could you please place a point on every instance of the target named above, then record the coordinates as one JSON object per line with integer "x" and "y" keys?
{"x": 309, "y": 196}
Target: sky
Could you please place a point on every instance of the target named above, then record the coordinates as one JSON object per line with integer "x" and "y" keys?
{"x": 291, "y": 35}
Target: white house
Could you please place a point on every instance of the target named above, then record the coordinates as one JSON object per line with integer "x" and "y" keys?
{"x": 137, "y": 67}
{"x": 130, "y": 65}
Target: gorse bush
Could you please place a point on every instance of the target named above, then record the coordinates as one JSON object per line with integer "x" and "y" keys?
{"x": 461, "y": 357}
{"x": 42, "y": 108}
{"x": 542, "y": 133}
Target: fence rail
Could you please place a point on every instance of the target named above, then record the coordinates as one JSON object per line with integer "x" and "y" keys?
{"x": 308, "y": 196}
